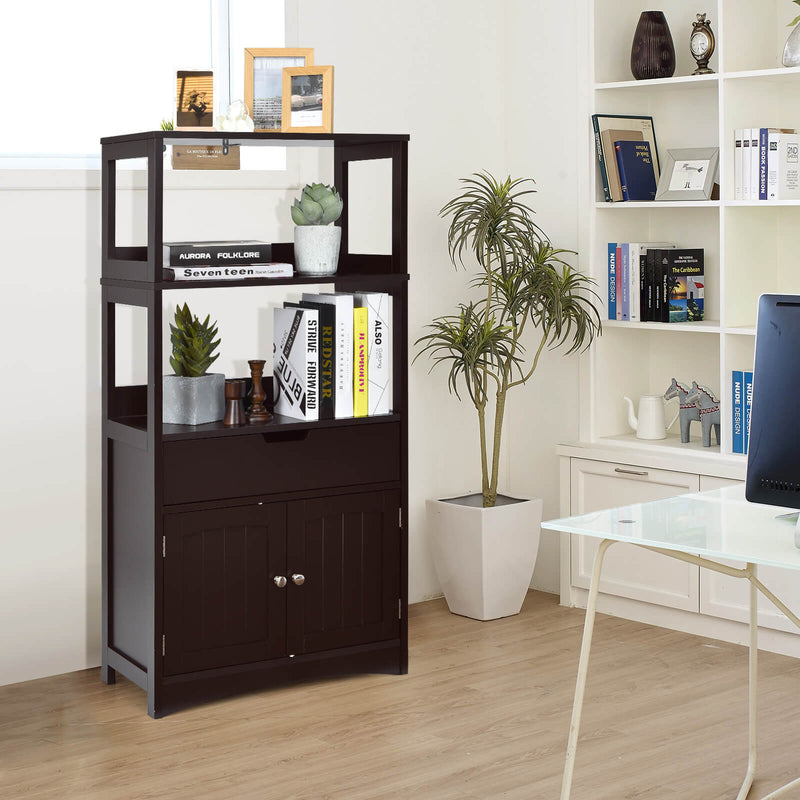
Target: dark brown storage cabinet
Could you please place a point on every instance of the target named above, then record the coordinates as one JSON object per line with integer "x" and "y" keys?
{"x": 242, "y": 558}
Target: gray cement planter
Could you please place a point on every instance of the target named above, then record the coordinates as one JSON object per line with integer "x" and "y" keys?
{"x": 316, "y": 249}
{"x": 193, "y": 401}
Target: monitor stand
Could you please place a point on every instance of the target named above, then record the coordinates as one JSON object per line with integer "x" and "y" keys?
{"x": 793, "y": 516}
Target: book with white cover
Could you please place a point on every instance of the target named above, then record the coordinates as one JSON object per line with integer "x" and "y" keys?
{"x": 783, "y": 179}
{"x": 343, "y": 303}
{"x": 745, "y": 163}
{"x": 755, "y": 162}
{"x": 379, "y": 358}
{"x": 737, "y": 163}
{"x": 295, "y": 343}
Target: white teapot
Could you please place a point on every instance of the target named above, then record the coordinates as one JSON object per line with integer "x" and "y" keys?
{"x": 651, "y": 421}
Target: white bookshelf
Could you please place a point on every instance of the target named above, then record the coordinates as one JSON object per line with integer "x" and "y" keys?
{"x": 750, "y": 247}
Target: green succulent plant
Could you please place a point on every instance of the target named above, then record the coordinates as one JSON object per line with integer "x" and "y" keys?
{"x": 167, "y": 125}
{"x": 317, "y": 205}
{"x": 192, "y": 344}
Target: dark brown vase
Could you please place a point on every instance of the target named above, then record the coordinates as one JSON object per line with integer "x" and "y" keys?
{"x": 652, "y": 52}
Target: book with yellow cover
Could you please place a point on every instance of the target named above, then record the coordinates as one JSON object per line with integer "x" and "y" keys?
{"x": 360, "y": 362}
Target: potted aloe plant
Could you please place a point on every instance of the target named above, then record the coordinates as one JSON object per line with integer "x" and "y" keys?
{"x": 193, "y": 395}
{"x": 316, "y": 239}
{"x": 485, "y": 544}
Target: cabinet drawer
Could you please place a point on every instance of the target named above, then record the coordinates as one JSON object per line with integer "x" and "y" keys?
{"x": 280, "y": 461}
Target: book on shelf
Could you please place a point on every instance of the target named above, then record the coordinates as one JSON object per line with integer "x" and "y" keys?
{"x": 744, "y": 176}
{"x": 326, "y": 354}
{"x": 737, "y": 411}
{"x": 748, "y": 407}
{"x": 612, "y": 280}
{"x": 682, "y": 284}
{"x": 641, "y": 293}
{"x": 754, "y": 153}
{"x": 607, "y": 138}
{"x": 343, "y": 348}
{"x": 379, "y": 350}
{"x": 274, "y": 269}
{"x": 783, "y": 178}
{"x": 295, "y": 362}
{"x": 360, "y": 362}
{"x": 737, "y": 163}
{"x": 218, "y": 253}
{"x": 624, "y": 282}
{"x": 636, "y": 173}
{"x": 607, "y": 156}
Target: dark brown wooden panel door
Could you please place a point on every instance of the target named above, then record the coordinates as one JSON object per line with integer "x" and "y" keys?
{"x": 221, "y": 604}
{"x": 347, "y": 549}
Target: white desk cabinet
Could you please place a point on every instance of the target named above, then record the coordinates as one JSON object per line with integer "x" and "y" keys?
{"x": 630, "y": 571}
{"x": 645, "y": 586}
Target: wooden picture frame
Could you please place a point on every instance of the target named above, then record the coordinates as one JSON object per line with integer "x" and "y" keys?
{"x": 307, "y": 100}
{"x": 688, "y": 174}
{"x": 263, "y": 75}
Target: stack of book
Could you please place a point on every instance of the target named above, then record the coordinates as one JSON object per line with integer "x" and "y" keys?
{"x": 741, "y": 405}
{"x": 765, "y": 164}
{"x": 333, "y": 356}
{"x": 655, "y": 282}
{"x": 627, "y": 156}
{"x": 226, "y": 261}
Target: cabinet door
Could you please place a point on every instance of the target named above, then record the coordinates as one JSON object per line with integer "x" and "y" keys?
{"x": 221, "y": 605}
{"x": 729, "y": 598}
{"x": 630, "y": 571}
{"x": 348, "y": 550}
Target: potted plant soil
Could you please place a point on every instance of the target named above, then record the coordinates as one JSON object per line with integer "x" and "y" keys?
{"x": 485, "y": 544}
{"x": 193, "y": 396}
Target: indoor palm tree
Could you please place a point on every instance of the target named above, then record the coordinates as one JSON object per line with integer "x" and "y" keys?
{"x": 526, "y": 285}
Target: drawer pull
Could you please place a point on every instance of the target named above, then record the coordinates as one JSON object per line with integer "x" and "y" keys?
{"x": 298, "y": 579}
{"x": 285, "y": 436}
{"x": 280, "y": 581}
{"x": 641, "y": 472}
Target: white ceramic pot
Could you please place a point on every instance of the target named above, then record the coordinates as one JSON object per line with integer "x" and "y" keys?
{"x": 193, "y": 401}
{"x": 484, "y": 557}
{"x": 316, "y": 249}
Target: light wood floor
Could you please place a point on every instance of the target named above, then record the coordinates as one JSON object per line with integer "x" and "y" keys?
{"x": 483, "y": 713}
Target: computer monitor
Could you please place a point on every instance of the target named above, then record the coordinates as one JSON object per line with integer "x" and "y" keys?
{"x": 773, "y": 457}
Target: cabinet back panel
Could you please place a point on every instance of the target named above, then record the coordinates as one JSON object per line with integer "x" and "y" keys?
{"x": 242, "y": 466}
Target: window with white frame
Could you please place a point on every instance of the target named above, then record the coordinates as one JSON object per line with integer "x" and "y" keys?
{"x": 74, "y": 73}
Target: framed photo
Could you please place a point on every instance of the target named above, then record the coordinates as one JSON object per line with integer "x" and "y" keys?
{"x": 308, "y": 99}
{"x": 195, "y": 94}
{"x": 688, "y": 174}
{"x": 263, "y": 81}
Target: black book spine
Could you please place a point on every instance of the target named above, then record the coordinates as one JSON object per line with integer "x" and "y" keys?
{"x": 643, "y": 315}
{"x": 652, "y": 294}
{"x": 217, "y": 255}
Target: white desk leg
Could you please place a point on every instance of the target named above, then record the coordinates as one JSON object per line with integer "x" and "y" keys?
{"x": 583, "y": 668}
{"x": 752, "y": 685}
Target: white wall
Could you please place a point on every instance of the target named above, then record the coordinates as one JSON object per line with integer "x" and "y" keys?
{"x": 467, "y": 80}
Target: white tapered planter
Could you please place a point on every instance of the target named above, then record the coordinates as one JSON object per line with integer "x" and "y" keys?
{"x": 484, "y": 557}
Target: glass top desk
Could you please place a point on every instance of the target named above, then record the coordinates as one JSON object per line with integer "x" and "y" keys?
{"x": 698, "y": 528}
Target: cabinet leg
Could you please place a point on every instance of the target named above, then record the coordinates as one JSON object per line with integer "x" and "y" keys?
{"x": 108, "y": 674}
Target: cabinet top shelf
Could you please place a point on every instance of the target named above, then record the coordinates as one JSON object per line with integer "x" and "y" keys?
{"x": 258, "y": 138}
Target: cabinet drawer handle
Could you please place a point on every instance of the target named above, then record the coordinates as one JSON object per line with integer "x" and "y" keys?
{"x": 280, "y": 581}
{"x": 641, "y": 472}
{"x": 298, "y": 579}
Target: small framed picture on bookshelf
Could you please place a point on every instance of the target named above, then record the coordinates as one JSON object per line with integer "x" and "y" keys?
{"x": 688, "y": 174}
{"x": 307, "y": 100}
{"x": 263, "y": 81}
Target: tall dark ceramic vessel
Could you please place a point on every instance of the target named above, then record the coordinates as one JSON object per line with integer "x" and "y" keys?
{"x": 652, "y": 53}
